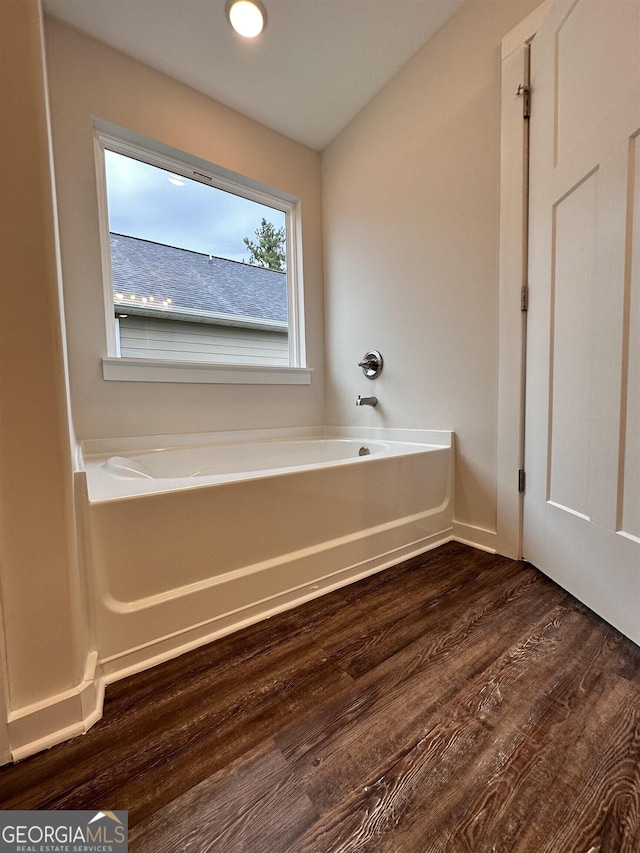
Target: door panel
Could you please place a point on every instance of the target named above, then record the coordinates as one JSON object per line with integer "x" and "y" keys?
{"x": 595, "y": 50}
{"x": 572, "y": 286}
{"x": 582, "y": 451}
{"x": 630, "y": 498}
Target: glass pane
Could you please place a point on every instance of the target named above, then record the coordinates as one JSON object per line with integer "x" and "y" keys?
{"x": 195, "y": 254}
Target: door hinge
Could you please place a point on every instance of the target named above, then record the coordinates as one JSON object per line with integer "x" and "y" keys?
{"x": 524, "y": 92}
{"x": 524, "y": 298}
{"x": 521, "y": 479}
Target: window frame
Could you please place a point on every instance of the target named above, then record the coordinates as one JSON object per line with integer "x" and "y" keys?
{"x": 121, "y": 141}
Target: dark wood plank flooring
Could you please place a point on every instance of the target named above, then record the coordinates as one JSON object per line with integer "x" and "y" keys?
{"x": 456, "y": 702}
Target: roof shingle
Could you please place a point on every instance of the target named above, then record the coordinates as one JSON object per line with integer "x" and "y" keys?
{"x": 195, "y": 281}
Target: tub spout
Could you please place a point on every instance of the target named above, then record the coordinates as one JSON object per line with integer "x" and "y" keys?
{"x": 366, "y": 401}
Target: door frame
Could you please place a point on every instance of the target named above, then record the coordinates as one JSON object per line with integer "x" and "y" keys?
{"x": 513, "y": 259}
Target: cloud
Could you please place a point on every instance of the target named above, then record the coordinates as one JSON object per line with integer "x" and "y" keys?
{"x": 143, "y": 202}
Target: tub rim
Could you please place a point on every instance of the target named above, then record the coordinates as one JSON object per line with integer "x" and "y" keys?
{"x": 98, "y": 480}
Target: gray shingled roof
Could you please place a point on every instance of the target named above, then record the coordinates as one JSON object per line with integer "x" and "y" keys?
{"x": 194, "y": 281}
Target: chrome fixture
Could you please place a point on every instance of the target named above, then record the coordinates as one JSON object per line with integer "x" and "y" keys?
{"x": 366, "y": 401}
{"x": 371, "y": 364}
{"x": 364, "y": 451}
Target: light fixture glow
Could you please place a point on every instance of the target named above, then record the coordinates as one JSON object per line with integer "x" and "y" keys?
{"x": 247, "y": 17}
{"x": 177, "y": 182}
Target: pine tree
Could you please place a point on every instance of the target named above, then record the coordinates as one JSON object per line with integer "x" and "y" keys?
{"x": 269, "y": 251}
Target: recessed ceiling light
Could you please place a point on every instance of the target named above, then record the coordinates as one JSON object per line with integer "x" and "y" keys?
{"x": 177, "y": 182}
{"x": 247, "y": 17}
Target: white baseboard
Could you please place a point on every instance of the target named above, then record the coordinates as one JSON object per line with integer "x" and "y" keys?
{"x": 59, "y": 717}
{"x": 477, "y": 537}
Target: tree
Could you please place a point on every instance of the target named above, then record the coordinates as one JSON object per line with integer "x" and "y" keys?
{"x": 270, "y": 250}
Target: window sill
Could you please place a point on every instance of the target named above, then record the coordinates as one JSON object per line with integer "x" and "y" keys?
{"x": 151, "y": 370}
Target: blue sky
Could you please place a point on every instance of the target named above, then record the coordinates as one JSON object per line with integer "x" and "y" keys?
{"x": 148, "y": 202}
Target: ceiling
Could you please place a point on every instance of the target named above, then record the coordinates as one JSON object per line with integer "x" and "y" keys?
{"x": 312, "y": 70}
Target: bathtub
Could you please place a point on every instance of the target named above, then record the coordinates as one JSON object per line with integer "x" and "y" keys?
{"x": 190, "y": 537}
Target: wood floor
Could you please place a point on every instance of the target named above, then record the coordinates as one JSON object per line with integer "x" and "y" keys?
{"x": 457, "y": 702}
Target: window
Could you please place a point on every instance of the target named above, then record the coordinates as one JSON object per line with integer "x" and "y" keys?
{"x": 201, "y": 267}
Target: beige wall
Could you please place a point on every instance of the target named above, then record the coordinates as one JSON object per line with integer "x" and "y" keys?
{"x": 39, "y": 587}
{"x": 410, "y": 196}
{"x": 88, "y": 79}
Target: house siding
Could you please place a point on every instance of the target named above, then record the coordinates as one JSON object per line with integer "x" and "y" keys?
{"x": 147, "y": 337}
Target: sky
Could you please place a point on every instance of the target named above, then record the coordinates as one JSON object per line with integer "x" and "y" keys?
{"x": 148, "y": 202}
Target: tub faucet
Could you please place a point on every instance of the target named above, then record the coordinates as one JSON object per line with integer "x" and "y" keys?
{"x": 366, "y": 401}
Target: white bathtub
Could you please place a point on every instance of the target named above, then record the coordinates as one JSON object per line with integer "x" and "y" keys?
{"x": 187, "y": 539}
{"x": 135, "y": 473}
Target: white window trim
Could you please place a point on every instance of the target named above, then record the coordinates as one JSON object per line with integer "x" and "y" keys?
{"x": 113, "y": 138}
{"x": 155, "y": 370}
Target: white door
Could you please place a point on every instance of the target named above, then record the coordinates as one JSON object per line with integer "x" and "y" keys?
{"x": 582, "y": 425}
